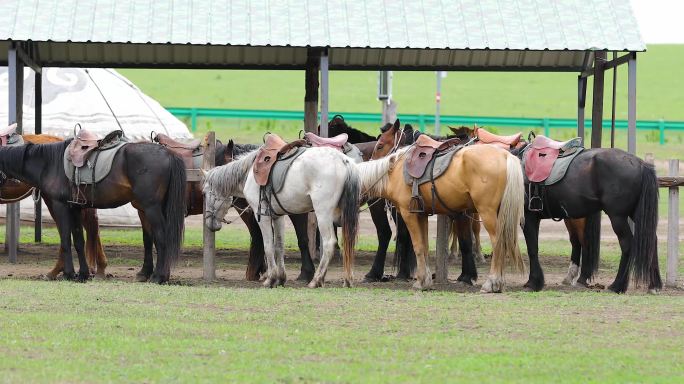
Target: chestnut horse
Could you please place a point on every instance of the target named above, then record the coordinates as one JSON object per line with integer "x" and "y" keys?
{"x": 13, "y": 190}
{"x": 480, "y": 178}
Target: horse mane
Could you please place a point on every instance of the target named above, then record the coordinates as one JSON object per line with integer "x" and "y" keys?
{"x": 12, "y": 158}
{"x": 225, "y": 178}
{"x": 374, "y": 174}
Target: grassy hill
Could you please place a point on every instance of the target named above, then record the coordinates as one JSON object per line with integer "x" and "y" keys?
{"x": 660, "y": 95}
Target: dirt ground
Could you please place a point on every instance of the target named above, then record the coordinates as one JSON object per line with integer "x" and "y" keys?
{"x": 36, "y": 260}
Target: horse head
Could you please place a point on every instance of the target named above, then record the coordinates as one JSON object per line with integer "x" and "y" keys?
{"x": 389, "y": 140}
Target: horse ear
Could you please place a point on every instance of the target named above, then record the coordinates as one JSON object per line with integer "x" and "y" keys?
{"x": 397, "y": 125}
{"x": 453, "y": 129}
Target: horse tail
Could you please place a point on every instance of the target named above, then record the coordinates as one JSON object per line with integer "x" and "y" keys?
{"x": 510, "y": 217}
{"x": 174, "y": 212}
{"x": 93, "y": 245}
{"x": 349, "y": 209}
{"x": 643, "y": 255}
{"x": 591, "y": 248}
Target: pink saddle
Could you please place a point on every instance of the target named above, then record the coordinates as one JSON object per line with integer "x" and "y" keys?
{"x": 539, "y": 159}
{"x": 83, "y": 144}
{"x": 336, "y": 142}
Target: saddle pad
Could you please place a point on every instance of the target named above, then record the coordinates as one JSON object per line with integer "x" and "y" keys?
{"x": 86, "y": 174}
{"x": 558, "y": 168}
{"x": 434, "y": 169}
{"x": 281, "y": 167}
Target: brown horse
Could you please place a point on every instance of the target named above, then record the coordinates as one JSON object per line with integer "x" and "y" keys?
{"x": 14, "y": 190}
{"x": 479, "y": 178}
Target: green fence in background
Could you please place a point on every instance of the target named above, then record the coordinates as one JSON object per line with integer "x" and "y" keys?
{"x": 423, "y": 120}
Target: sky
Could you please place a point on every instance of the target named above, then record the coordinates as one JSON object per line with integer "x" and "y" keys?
{"x": 660, "y": 21}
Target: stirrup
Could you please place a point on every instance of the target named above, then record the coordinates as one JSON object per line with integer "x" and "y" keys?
{"x": 417, "y": 204}
{"x": 78, "y": 197}
{"x": 531, "y": 206}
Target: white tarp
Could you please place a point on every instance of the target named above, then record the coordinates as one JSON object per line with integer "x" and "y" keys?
{"x": 91, "y": 97}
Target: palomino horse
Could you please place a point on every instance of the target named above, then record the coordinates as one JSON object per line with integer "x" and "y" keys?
{"x": 619, "y": 184}
{"x": 145, "y": 174}
{"x": 331, "y": 191}
{"x": 479, "y": 178}
{"x": 14, "y": 190}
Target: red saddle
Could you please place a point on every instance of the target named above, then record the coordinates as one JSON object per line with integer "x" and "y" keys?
{"x": 425, "y": 149}
{"x": 505, "y": 142}
{"x": 5, "y": 133}
{"x": 336, "y": 142}
{"x": 183, "y": 149}
{"x": 541, "y": 156}
{"x": 268, "y": 155}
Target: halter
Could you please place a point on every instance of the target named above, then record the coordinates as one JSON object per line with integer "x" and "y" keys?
{"x": 210, "y": 211}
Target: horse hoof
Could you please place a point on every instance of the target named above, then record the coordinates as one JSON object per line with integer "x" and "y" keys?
{"x": 51, "y": 276}
{"x": 141, "y": 277}
{"x": 465, "y": 279}
{"x": 305, "y": 277}
{"x": 427, "y": 286}
{"x": 315, "y": 284}
{"x": 82, "y": 277}
{"x": 492, "y": 285}
{"x": 614, "y": 288}
{"x": 347, "y": 283}
{"x": 100, "y": 276}
{"x": 653, "y": 291}
{"x": 268, "y": 282}
{"x": 157, "y": 279}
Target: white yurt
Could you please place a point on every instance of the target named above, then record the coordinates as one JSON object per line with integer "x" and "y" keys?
{"x": 100, "y": 100}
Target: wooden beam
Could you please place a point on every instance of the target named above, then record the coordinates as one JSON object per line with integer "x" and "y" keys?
{"x": 597, "y": 105}
{"x": 444, "y": 224}
{"x": 670, "y": 181}
{"x": 209, "y": 237}
{"x": 38, "y": 124}
{"x": 324, "y": 94}
{"x": 15, "y": 72}
{"x": 26, "y": 59}
{"x": 313, "y": 62}
{"x": 672, "y": 228}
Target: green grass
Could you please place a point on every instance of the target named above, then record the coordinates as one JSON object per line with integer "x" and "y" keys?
{"x": 112, "y": 331}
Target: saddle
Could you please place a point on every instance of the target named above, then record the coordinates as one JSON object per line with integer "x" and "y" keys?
{"x": 505, "y": 142}
{"x": 546, "y": 162}
{"x": 336, "y": 142}
{"x": 185, "y": 150}
{"x": 274, "y": 147}
{"x": 424, "y": 153}
{"x": 86, "y": 142}
{"x": 542, "y": 154}
{"x": 9, "y": 136}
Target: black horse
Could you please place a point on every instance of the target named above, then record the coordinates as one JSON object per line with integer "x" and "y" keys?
{"x": 622, "y": 186}
{"x": 144, "y": 174}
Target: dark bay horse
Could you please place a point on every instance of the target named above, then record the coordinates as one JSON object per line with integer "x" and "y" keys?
{"x": 13, "y": 190}
{"x": 144, "y": 174}
{"x": 619, "y": 184}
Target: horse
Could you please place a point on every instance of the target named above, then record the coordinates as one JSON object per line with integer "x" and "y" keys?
{"x": 479, "y": 178}
{"x": 144, "y": 174}
{"x": 12, "y": 191}
{"x": 256, "y": 264}
{"x": 332, "y": 192}
{"x": 611, "y": 181}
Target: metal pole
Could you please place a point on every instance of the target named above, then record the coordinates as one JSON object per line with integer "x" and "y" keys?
{"x": 324, "y": 94}
{"x": 438, "y": 99}
{"x": 581, "y": 103}
{"x": 612, "y": 116}
{"x": 15, "y": 69}
{"x": 38, "y": 123}
{"x": 631, "y": 103}
{"x": 597, "y": 106}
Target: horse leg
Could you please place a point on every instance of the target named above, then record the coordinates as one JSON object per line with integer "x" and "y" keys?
{"x": 535, "y": 281}
{"x": 59, "y": 265}
{"x": 404, "y": 254}
{"x": 475, "y": 233}
{"x": 462, "y": 229}
{"x": 328, "y": 240}
{"x": 454, "y": 251}
{"x": 79, "y": 245}
{"x": 300, "y": 223}
{"x": 267, "y": 231}
{"x": 624, "y": 234}
{"x": 148, "y": 242}
{"x": 94, "y": 250}
{"x": 384, "y": 232}
{"x": 418, "y": 228}
{"x": 157, "y": 223}
{"x": 279, "y": 249}
{"x": 256, "y": 265}
{"x": 576, "y": 242}
{"x": 494, "y": 281}
{"x": 63, "y": 218}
